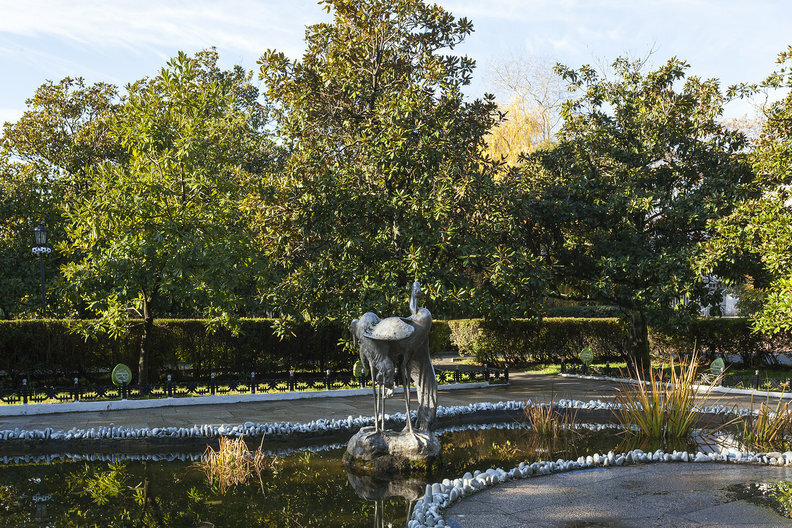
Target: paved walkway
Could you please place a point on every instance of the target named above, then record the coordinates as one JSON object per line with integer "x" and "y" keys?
{"x": 655, "y": 495}
{"x": 522, "y": 387}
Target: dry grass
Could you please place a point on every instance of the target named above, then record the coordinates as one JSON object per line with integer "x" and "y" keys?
{"x": 233, "y": 463}
{"x": 663, "y": 410}
{"x": 546, "y": 421}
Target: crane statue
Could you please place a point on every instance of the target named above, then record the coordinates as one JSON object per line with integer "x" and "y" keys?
{"x": 403, "y": 343}
{"x": 399, "y": 343}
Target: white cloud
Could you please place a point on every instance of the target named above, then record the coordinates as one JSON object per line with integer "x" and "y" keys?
{"x": 245, "y": 26}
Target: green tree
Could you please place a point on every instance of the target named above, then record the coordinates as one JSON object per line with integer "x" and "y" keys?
{"x": 44, "y": 159}
{"x": 641, "y": 166}
{"x": 164, "y": 228}
{"x": 761, "y": 226}
{"x": 386, "y": 182}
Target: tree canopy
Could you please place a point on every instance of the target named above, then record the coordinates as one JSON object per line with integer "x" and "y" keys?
{"x": 385, "y": 182}
{"x": 642, "y": 164}
{"x": 761, "y": 225}
{"x": 163, "y": 227}
{"x": 44, "y": 160}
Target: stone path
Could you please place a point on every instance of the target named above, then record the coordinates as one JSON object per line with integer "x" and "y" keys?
{"x": 655, "y": 495}
{"x": 522, "y": 387}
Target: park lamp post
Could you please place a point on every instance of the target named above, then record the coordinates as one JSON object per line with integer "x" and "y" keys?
{"x": 40, "y": 239}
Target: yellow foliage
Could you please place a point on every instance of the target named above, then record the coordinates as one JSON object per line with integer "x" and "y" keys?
{"x": 519, "y": 134}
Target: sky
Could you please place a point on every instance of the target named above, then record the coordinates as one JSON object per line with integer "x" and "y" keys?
{"x": 120, "y": 41}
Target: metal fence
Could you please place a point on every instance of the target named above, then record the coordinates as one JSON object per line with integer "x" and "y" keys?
{"x": 738, "y": 381}
{"x": 30, "y": 392}
{"x": 607, "y": 370}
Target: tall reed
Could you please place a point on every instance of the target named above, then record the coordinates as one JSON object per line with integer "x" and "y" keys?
{"x": 768, "y": 428}
{"x": 661, "y": 409}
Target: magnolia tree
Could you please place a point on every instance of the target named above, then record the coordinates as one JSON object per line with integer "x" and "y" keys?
{"x": 386, "y": 182}
{"x": 641, "y": 166}
{"x": 761, "y": 226}
{"x": 163, "y": 227}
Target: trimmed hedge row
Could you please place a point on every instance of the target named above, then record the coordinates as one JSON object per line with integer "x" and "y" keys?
{"x": 524, "y": 341}
{"x": 712, "y": 337}
{"x": 47, "y": 348}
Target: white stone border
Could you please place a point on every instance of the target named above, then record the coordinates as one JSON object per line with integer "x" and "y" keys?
{"x": 428, "y": 511}
{"x": 31, "y": 409}
{"x": 285, "y": 429}
{"x": 195, "y": 456}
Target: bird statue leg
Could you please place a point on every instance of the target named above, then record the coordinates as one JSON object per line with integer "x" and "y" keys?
{"x": 376, "y": 399}
{"x": 406, "y": 385}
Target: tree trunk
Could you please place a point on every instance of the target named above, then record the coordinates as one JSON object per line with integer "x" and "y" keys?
{"x": 639, "y": 343}
{"x": 145, "y": 342}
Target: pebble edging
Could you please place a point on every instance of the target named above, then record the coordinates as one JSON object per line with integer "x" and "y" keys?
{"x": 286, "y": 429}
{"x": 441, "y": 495}
{"x": 195, "y": 456}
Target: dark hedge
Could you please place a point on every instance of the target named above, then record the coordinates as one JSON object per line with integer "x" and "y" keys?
{"x": 521, "y": 342}
{"x": 48, "y": 350}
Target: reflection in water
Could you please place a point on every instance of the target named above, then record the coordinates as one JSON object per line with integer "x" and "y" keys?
{"x": 776, "y": 496}
{"x": 378, "y": 489}
{"x": 308, "y": 489}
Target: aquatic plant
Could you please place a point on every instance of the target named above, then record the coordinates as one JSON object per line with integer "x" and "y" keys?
{"x": 100, "y": 486}
{"x": 767, "y": 427}
{"x": 660, "y": 409}
{"x": 233, "y": 463}
{"x": 546, "y": 420}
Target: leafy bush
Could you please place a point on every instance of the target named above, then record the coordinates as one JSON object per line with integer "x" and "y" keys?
{"x": 591, "y": 312}
{"x": 47, "y": 349}
{"x": 711, "y": 337}
{"x": 440, "y": 339}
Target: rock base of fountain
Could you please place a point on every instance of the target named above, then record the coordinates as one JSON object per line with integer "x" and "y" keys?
{"x": 373, "y": 451}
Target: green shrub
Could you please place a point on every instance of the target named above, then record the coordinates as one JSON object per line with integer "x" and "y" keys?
{"x": 47, "y": 349}
{"x": 440, "y": 339}
{"x": 589, "y": 312}
{"x": 524, "y": 341}
{"x": 714, "y": 336}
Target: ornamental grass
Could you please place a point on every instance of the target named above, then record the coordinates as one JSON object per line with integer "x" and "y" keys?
{"x": 546, "y": 421}
{"x": 768, "y": 428}
{"x": 663, "y": 410}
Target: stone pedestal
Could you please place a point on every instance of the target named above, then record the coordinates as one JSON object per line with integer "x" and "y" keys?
{"x": 390, "y": 451}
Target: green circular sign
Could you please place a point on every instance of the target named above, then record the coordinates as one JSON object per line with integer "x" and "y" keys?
{"x": 587, "y": 355}
{"x": 717, "y": 366}
{"x": 121, "y": 375}
{"x": 358, "y": 369}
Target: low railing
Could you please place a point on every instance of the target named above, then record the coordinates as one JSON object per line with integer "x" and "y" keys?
{"x": 754, "y": 382}
{"x": 737, "y": 381}
{"x": 577, "y": 368}
{"x": 29, "y": 392}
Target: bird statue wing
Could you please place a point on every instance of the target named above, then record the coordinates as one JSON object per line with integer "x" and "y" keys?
{"x": 390, "y": 329}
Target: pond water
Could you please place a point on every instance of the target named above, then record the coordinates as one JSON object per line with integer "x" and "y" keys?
{"x": 301, "y": 489}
